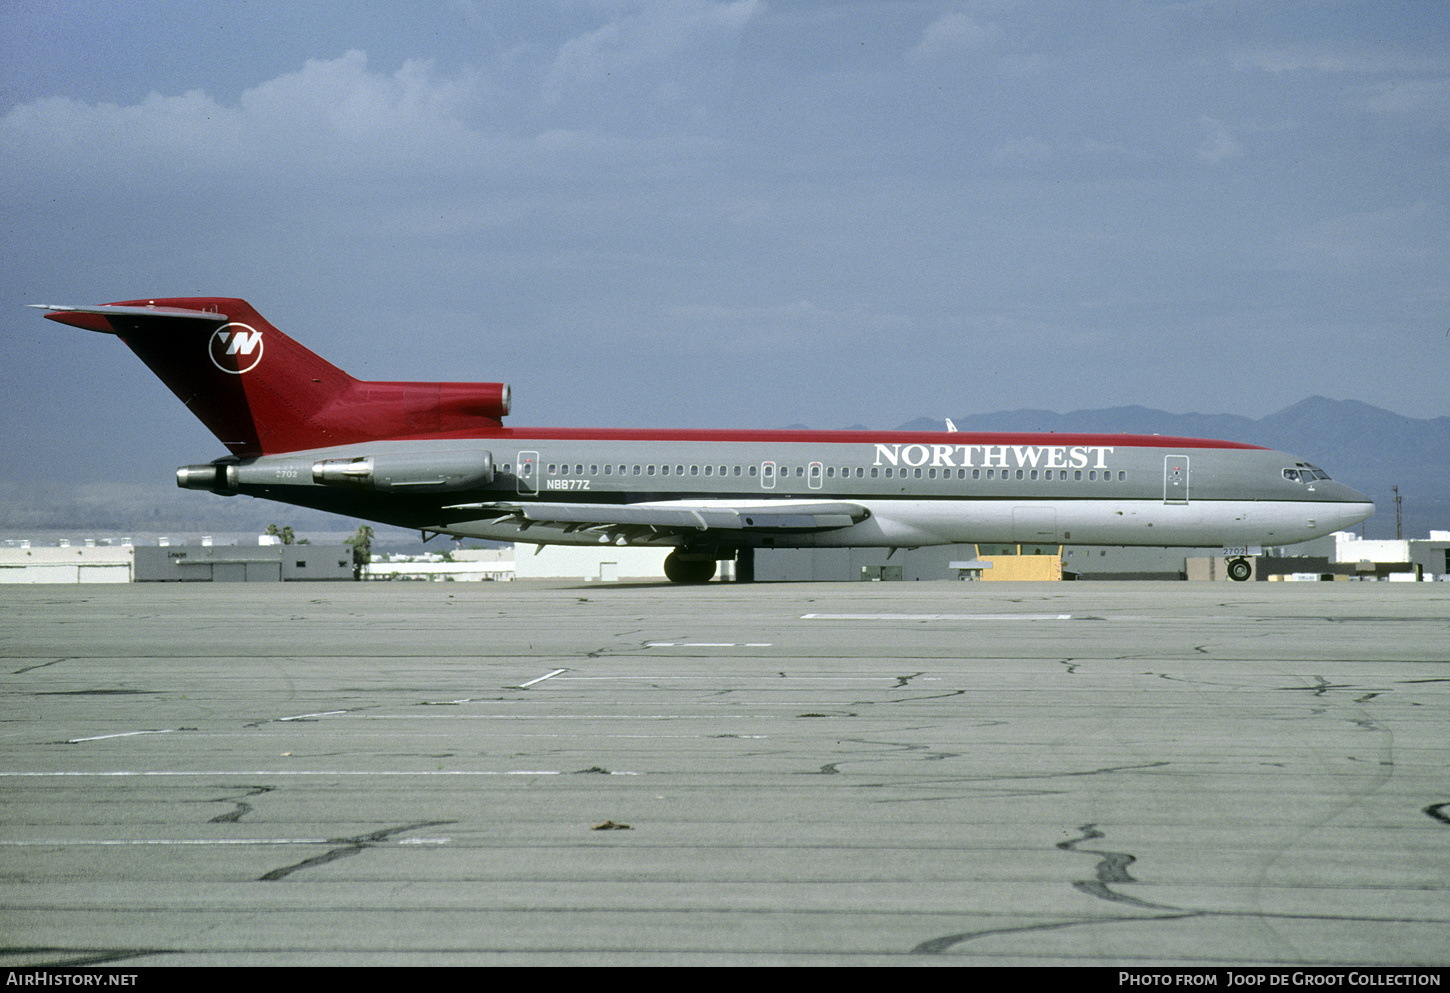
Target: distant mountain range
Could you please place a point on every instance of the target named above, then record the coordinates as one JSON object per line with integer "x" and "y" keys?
{"x": 1369, "y": 448}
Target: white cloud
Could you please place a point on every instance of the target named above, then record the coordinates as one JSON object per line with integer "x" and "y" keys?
{"x": 1022, "y": 151}
{"x": 1218, "y": 144}
{"x": 1323, "y": 57}
{"x": 330, "y": 113}
{"x": 1403, "y": 97}
{"x": 952, "y": 34}
{"x": 1396, "y": 245}
{"x": 651, "y": 39}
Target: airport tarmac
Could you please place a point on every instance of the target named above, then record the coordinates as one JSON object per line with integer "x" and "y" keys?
{"x": 1097, "y": 774}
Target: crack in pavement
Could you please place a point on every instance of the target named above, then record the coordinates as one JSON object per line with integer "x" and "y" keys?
{"x": 242, "y": 809}
{"x": 348, "y": 846}
{"x": 42, "y": 665}
{"x": 1112, "y": 869}
{"x": 70, "y": 958}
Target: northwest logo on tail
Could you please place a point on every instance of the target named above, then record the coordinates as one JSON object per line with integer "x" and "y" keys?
{"x": 235, "y": 348}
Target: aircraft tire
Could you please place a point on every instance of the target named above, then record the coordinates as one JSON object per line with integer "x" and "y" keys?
{"x": 1239, "y": 570}
{"x": 692, "y": 570}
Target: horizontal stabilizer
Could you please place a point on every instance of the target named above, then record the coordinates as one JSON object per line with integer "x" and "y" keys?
{"x": 113, "y": 310}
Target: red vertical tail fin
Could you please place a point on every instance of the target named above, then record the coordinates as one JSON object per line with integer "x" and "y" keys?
{"x": 261, "y": 393}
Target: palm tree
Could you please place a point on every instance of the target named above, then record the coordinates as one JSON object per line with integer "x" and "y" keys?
{"x": 362, "y": 549}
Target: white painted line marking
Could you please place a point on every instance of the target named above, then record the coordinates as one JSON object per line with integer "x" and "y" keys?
{"x": 425, "y": 841}
{"x": 548, "y": 675}
{"x": 707, "y": 644}
{"x": 936, "y": 617}
{"x": 324, "y": 713}
{"x": 47, "y": 842}
{"x": 289, "y": 772}
{"x": 123, "y": 734}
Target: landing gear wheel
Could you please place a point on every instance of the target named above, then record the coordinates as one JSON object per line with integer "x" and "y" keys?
{"x": 688, "y": 570}
{"x": 1239, "y": 570}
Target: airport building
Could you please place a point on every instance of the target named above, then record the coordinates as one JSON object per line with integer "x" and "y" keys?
{"x": 122, "y": 561}
{"x": 1342, "y": 556}
{"x": 272, "y": 563}
{"x": 89, "y": 561}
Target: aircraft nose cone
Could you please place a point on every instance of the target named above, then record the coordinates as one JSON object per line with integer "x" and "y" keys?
{"x": 1353, "y": 507}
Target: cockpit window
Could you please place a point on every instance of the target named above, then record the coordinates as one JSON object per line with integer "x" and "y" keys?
{"x": 1305, "y": 473}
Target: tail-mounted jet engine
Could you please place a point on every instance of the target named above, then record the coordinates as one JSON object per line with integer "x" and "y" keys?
{"x": 440, "y": 472}
{"x": 387, "y": 472}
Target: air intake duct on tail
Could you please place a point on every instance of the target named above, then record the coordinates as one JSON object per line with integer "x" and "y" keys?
{"x": 219, "y": 477}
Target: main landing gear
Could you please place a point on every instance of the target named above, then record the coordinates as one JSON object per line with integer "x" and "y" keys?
{"x": 686, "y": 566}
{"x": 689, "y": 567}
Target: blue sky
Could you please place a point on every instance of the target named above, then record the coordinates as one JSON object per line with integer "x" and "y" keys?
{"x": 733, "y": 214}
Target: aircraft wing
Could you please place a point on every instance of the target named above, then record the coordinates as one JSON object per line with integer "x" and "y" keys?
{"x": 635, "y": 520}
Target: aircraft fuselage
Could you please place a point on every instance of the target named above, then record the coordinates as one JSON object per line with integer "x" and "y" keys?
{"x": 917, "y": 488}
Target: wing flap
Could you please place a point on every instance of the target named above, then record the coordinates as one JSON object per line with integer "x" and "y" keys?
{"x": 677, "y": 518}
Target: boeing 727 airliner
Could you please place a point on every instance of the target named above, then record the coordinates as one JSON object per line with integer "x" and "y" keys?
{"x": 436, "y": 457}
